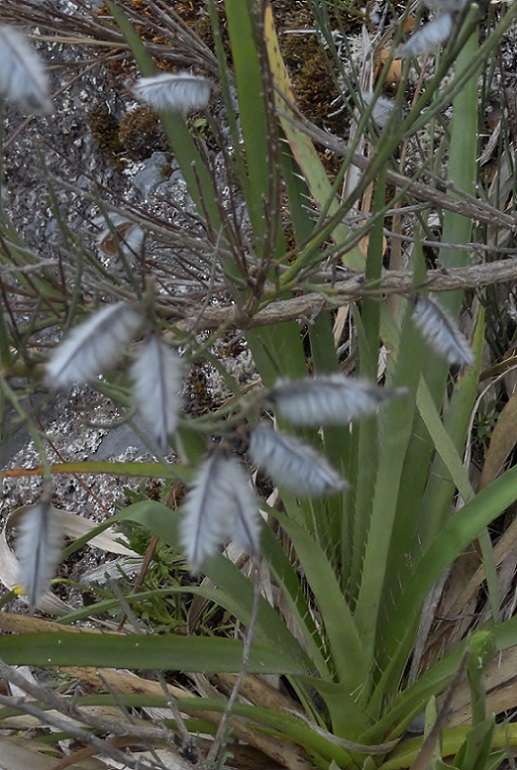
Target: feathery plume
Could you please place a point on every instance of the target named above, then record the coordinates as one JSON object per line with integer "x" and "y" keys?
{"x": 292, "y": 464}
{"x": 23, "y": 79}
{"x": 157, "y": 378}
{"x": 97, "y": 343}
{"x": 178, "y": 92}
{"x": 431, "y": 35}
{"x": 219, "y": 507}
{"x": 38, "y": 549}
{"x": 441, "y": 332}
{"x": 333, "y": 399}
{"x": 382, "y": 107}
{"x": 129, "y": 234}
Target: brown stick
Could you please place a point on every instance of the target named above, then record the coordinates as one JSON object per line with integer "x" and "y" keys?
{"x": 308, "y": 306}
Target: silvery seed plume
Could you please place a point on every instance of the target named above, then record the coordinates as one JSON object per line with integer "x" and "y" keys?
{"x": 157, "y": 378}
{"x": 128, "y": 236}
{"x": 220, "y": 506}
{"x": 178, "y": 92}
{"x": 441, "y": 332}
{"x": 382, "y": 108}
{"x": 429, "y": 37}
{"x": 327, "y": 400}
{"x": 293, "y": 464}
{"x": 38, "y": 548}
{"x": 23, "y": 79}
{"x": 96, "y": 344}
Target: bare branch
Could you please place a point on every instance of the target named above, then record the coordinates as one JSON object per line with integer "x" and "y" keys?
{"x": 308, "y": 306}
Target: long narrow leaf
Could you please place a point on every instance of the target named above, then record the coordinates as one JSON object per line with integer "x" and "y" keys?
{"x": 344, "y": 641}
{"x": 136, "y": 652}
{"x": 396, "y": 431}
{"x": 454, "y": 537}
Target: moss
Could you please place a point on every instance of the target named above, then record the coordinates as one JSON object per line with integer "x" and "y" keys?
{"x": 312, "y": 81}
{"x": 105, "y": 130}
{"x": 141, "y": 133}
{"x": 200, "y": 398}
{"x": 137, "y": 136}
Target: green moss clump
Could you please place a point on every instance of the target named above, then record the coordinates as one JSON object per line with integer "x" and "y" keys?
{"x": 141, "y": 133}
{"x": 105, "y": 130}
{"x": 313, "y": 84}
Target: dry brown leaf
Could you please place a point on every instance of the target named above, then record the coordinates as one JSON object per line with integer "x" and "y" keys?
{"x": 502, "y": 441}
{"x": 26, "y": 624}
{"x": 394, "y": 73}
{"x": 16, "y": 756}
{"x": 257, "y": 691}
{"x": 284, "y": 753}
{"x": 123, "y": 682}
{"x": 499, "y": 679}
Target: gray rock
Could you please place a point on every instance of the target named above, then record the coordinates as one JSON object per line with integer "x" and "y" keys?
{"x": 151, "y": 175}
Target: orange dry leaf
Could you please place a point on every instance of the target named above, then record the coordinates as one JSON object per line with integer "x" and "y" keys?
{"x": 394, "y": 72}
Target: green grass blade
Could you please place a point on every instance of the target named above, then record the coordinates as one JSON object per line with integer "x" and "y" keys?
{"x": 292, "y": 589}
{"x": 167, "y": 653}
{"x": 454, "y": 537}
{"x": 344, "y": 642}
{"x": 456, "y": 228}
{"x": 396, "y": 419}
{"x": 235, "y": 590}
{"x": 242, "y": 23}
{"x": 277, "y": 351}
{"x": 436, "y": 504}
{"x": 366, "y": 433}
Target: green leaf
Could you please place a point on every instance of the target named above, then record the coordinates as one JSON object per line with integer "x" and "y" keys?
{"x": 277, "y": 351}
{"x": 396, "y": 419}
{"x": 235, "y": 590}
{"x": 345, "y": 646}
{"x": 480, "y": 650}
{"x": 454, "y": 537}
{"x": 242, "y": 22}
{"x": 474, "y": 753}
{"x": 166, "y": 653}
{"x": 295, "y": 596}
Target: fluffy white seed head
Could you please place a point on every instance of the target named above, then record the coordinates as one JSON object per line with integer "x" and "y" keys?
{"x": 327, "y": 400}
{"x": 293, "y": 464}
{"x": 96, "y": 344}
{"x": 23, "y": 78}
{"x": 382, "y": 108}
{"x": 221, "y": 506}
{"x": 157, "y": 377}
{"x": 429, "y": 37}
{"x": 441, "y": 332}
{"x": 38, "y": 548}
{"x": 178, "y": 92}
